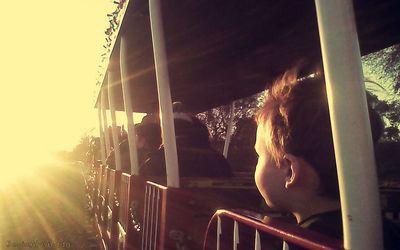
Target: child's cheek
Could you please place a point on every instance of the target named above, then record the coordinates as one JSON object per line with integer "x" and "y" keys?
{"x": 259, "y": 174}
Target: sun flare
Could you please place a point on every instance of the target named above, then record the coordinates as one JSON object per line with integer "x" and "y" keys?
{"x": 49, "y": 67}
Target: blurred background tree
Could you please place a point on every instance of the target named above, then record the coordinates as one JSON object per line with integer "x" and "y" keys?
{"x": 383, "y": 67}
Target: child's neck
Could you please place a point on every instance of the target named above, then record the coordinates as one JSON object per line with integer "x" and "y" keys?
{"x": 315, "y": 206}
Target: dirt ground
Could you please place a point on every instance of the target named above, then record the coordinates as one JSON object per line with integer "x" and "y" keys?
{"x": 46, "y": 210}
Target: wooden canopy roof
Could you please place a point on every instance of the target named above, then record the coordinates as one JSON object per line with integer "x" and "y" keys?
{"x": 219, "y": 51}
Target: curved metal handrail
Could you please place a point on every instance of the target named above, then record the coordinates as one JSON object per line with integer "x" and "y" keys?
{"x": 274, "y": 227}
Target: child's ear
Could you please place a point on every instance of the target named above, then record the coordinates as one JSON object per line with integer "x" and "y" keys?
{"x": 293, "y": 165}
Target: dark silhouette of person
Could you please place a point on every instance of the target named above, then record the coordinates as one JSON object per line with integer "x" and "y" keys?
{"x": 196, "y": 157}
{"x": 148, "y": 140}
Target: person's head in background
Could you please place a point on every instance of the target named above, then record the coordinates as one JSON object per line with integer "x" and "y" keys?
{"x": 148, "y": 133}
{"x": 296, "y": 170}
{"x": 189, "y": 130}
{"x": 123, "y": 134}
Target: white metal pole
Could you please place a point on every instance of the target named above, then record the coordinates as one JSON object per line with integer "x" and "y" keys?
{"x": 101, "y": 133}
{"x": 229, "y": 130}
{"x": 257, "y": 241}
{"x": 164, "y": 94}
{"x": 117, "y": 154}
{"x": 219, "y": 232}
{"x": 351, "y": 130}
{"x": 128, "y": 108}
{"x": 104, "y": 111}
{"x": 236, "y": 238}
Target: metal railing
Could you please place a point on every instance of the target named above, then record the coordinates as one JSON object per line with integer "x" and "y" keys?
{"x": 242, "y": 229}
{"x": 152, "y": 237}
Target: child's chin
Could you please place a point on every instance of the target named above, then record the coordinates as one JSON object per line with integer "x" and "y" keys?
{"x": 276, "y": 206}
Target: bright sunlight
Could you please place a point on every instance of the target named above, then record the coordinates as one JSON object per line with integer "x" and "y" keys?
{"x": 50, "y": 52}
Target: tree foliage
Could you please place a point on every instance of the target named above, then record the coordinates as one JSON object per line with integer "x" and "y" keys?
{"x": 217, "y": 119}
{"x": 390, "y": 113}
{"x": 241, "y": 156}
{"x": 87, "y": 150}
{"x": 384, "y": 65}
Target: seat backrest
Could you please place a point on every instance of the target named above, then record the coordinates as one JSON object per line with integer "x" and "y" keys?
{"x": 178, "y": 217}
{"x": 390, "y": 203}
{"x": 193, "y": 162}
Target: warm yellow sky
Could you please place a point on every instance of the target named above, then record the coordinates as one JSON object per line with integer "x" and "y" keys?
{"x": 49, "y": 52}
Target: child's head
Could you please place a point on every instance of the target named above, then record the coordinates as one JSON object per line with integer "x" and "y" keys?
{"x": 294, "y": 143}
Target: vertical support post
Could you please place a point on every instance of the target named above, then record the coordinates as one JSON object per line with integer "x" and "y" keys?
{"x": 117, "y": 153}
{"x": 101, "y": 134}
{"x": 229, "y": 130}
{"x": 104, "y": 111}
{"x": 351, "y": 130}
{"x": 164, "y": 94}
{"x": 126, "y": 91}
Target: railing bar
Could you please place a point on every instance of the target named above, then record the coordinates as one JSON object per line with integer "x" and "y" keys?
{"x": 121, "y": 237}
{"x": 127, "y": 204}
{"x": 219, "y": 232}
{"x": 157, "y": 213}
{"x": 152, "y": 216}
{"x": 148, "y": 221}
{"x": 235, "y": 235}
{"x": 124, "y": 217}
{"x": 145, "y": 218}
{"x": 123, "y": 202}
{"x": 257, "y": 241}
{"x": 285, "y": 246}
{"x": 153, "y": 212}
